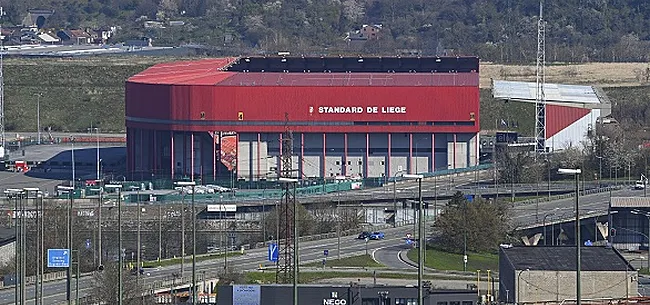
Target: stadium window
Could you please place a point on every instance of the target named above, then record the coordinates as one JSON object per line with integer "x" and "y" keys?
{"x": 338, "y": 162}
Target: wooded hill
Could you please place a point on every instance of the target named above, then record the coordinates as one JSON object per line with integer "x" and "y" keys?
{"x": 496, "y": 30}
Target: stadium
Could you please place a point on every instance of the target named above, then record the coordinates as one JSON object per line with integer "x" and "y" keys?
{"x": 366, "y": 117}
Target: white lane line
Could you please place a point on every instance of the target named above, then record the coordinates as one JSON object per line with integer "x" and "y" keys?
{"x": 399, "y": 257}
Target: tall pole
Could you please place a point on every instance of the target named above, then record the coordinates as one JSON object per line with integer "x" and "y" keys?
{"x": 69, "y": 231}
{"x": 121, "y": 254}
{"x": 2, "y": 90}
{"x": 159, "y": 231}
{"x": 99, "y": 222}
{"x": 38, "y": 249}
{"x": 38, "y": 117}
{"x": 193, "y": 250}
{"x": 42, "y": 250}
{"x": 395, "y": 202}
{"x": 73, "y": 165}
{"x": 338, "y": 225}
{"x": 578, "y": 296}
{"x": 295, "y": 244}
{"x": 138, "y": 262}
{"x": 421, "y": 243}
{"x": 17, "y": 247}
{"x": 183, "y": 236}
{"x": 98, "y": 160}
{"x": 23, "y": 229}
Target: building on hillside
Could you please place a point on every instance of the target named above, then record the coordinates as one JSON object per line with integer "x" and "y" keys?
{"x": 352, "y": 294}
{"x": 74, "y": 37}
{"x": 547, "y": 274}
{"x": 572, "y": 112}
{"x": 36, "y": 18}
{"x": 349, "y": 116}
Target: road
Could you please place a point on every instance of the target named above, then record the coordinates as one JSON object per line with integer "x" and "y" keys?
{"x": 564, "y": 208}
{"x": 309, "y": 252}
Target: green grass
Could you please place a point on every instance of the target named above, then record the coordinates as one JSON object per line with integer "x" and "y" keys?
{"x": 441, "y": 260}
{"x": 174, "y": 261}
{"x": 354, "y": 261}
{"x": 310, "y": 277}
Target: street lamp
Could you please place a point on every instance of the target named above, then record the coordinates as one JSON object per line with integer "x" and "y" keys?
{"x": 395, "y": 197}
{"x": 544, "y": 225}
{"x": 120, "y": 288}
{"x": 192, "y": 184}
{"x": 138, "y": 238}
{"x": 70, "y": 191}
{"x": 647, "y": 216}
{"x": 421, "y": 242}
{"x": 576, "y": 173}
{"x": 100, "y": 190}
{"x": 15, "y": 194}
{"x": 39, "y": 241}
{"x": 38, "y": 116}
{"x": 96, "y": 129}
{"x": 519, "y": 286}
{"x": 293, "y": 182}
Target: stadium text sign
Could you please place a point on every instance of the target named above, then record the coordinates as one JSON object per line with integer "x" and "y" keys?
{"x": 358, "y": 109}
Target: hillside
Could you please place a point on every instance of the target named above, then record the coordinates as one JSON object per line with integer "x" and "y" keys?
{"x": 78, "y": 93}
{"x": 496, "y": 30}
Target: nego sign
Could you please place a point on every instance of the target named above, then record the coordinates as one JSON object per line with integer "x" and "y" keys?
{"x": 334, "y": 302}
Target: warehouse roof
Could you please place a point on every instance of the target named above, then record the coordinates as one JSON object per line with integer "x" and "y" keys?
{"x": 316, "y": 71}
{"x": 562, "y": 258}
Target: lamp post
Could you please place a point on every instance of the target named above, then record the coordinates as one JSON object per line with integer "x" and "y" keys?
{"x": 73, "y": 166}
{"x": 120, "y": 288}
{"x": 96, "y": 129}
{"x": 293, "y": 182}
{"x": 70, "y": 191}
{"x": 15, "y": 195}
{"x": 395, "y": 197}
{"x": 647, "y": 216}
{"x": 519, "y": 286}
{"x": 138, "y": 238}
{"x": 192, "y": 184}
{"x": 27, "y": 192}
{"x": 576, "y": 173}
{"x": 421, "y": 242}
{"x": 38, "y": 117}
{"x": 544, "y": 225}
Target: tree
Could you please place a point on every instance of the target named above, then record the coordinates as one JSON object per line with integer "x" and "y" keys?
{"x": 485, "y": 223}
{"x": 106, "y": 286}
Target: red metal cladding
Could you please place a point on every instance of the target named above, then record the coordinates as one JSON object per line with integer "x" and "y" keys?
{"x": 353, "y": 79}
{"x": 200, "y": 96}
{"x": 560, "y": 117}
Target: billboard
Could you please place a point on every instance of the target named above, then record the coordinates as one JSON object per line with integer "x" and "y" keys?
{"x": 222, "y": 208}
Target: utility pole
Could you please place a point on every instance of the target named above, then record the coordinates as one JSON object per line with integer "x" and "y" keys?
{"x": 38, "y": 117}
{"x": 2, "y": 87}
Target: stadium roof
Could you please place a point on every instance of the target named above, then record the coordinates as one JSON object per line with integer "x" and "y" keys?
{"x": 559, "y": 94}
{"x": 316, "y": 71}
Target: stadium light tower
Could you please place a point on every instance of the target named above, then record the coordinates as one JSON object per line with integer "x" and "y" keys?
{"x": 540, "y": 81}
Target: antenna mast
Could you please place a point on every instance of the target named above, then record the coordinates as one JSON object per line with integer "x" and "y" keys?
{"x": 2, "y": 89}
{"x": 540, "y": 100}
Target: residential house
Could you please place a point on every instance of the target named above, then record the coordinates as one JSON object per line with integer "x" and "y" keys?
{"x": 74, "y": 37}
{"x": 359, "y": 37}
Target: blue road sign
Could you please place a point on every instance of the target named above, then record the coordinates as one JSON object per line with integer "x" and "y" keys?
{"x": 469, "y": 198}
{"x": 588, "y": 243}
{"x": 326, "y": 252}
{"x": 58, "y": 258}
{"x": 274, "y": 253}
{"x": 409, "y": 241}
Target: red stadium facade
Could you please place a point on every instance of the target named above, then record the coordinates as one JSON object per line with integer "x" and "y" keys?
{"x": 355, "y": 117}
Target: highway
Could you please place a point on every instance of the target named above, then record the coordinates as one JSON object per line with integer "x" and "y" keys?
{"x": 385, "y": 251}
{"x": 309, "y": 252}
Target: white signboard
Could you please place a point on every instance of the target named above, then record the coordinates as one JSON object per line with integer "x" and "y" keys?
{"x": 222, "y": 208}
{"x": 245, "y": 295}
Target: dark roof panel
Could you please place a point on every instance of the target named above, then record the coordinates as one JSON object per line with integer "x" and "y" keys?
{"x": 563, "y": 258}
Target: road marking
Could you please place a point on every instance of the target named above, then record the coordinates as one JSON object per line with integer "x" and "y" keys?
{"x": 399, "y": 257}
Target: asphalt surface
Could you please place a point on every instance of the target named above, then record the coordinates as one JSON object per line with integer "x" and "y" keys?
{"x": 55, "y": 292}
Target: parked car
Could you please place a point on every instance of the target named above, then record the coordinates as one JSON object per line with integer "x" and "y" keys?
{"x": 364, "y": 235}
{"x": 377, "y": 235}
